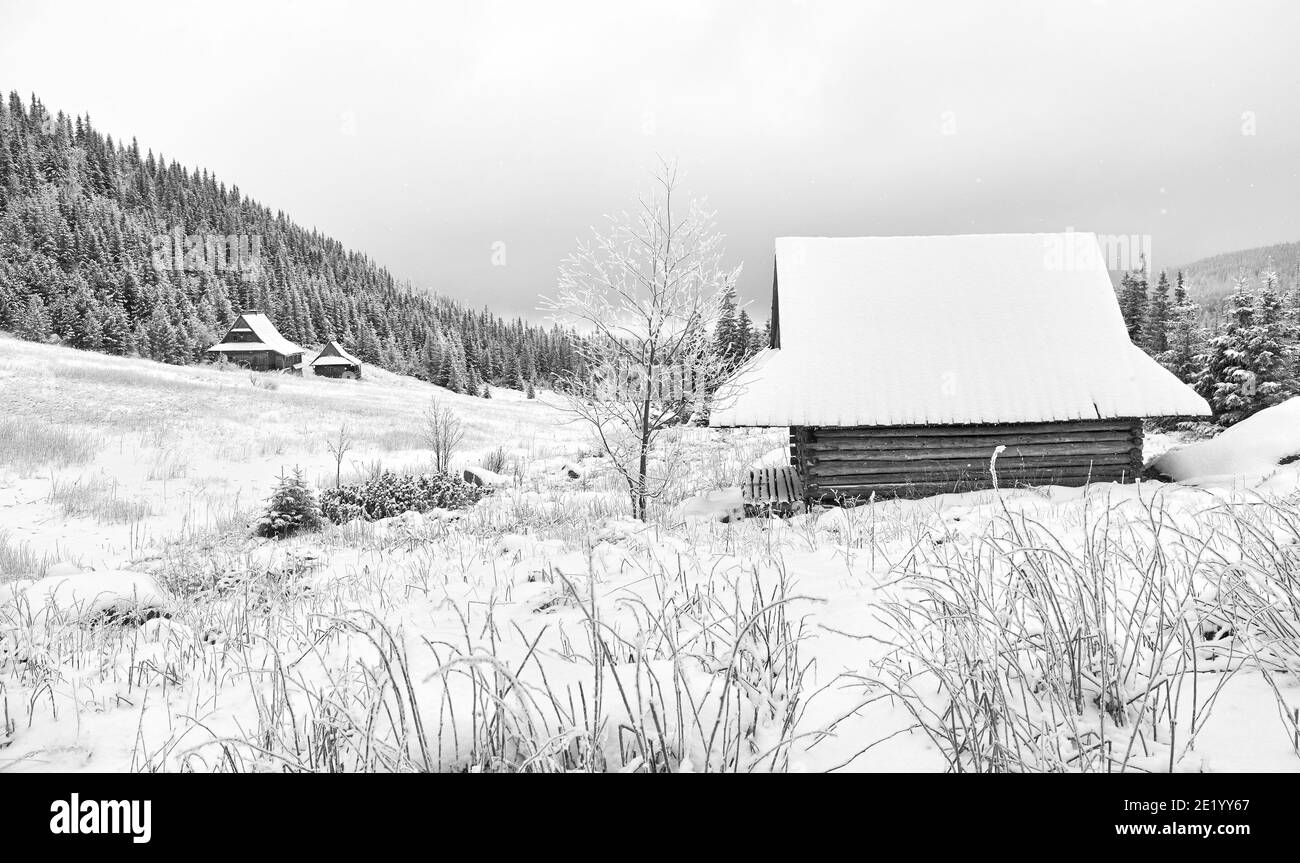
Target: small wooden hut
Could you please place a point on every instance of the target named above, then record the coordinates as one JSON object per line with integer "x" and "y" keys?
{"x": 333, "y": 361}
{"x": 901, "y": 364}
{"x": 254, "y": 342}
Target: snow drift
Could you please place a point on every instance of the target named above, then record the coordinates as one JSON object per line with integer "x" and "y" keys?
{"x": 1253, "y": 447}
{"x": 89, "y": 596}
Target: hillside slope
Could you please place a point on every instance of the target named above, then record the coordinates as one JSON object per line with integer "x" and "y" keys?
{"x": 107, "y": 247}
{"x": 102, "y": 456}
{"x": 1211, "y": 279}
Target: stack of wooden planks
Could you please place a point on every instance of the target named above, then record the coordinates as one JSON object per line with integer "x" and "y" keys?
{"x": 772, "y": 485}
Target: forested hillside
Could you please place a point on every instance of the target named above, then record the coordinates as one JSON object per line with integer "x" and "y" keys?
{"x": 108, "y": 247}
{"x": 1211, "y": 279}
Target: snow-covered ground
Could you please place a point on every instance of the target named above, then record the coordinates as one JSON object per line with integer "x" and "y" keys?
{"x": 1141, "y": 627}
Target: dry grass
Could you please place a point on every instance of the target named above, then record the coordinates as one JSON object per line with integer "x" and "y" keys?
{"x": 98, "y": 498}
{"x": 17, "y": 560}
{"x": 1032, "y": 650}
{"x": 30, "y": 445}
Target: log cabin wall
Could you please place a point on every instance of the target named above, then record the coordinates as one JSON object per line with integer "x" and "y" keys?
{"x": 916, "y": 461}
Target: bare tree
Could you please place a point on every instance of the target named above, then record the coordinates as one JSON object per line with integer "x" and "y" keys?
{"x": 443, "y": 433}
{"x": 642, "y": 300}
{"x": 338, "y": 447}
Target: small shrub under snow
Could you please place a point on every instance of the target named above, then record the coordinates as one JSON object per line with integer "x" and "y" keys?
{"x": 390, "y": 495}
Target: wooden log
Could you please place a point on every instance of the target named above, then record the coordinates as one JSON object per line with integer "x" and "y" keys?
{"x": 968, "y": 456}
{"x": 925, "y": 489}
{"x": 819, "y": 452}
{"x": 1120, "y": 424}
{"x": 941, "y": 471}
{"x": 828, "y": 469}
{"x": 876, "y": 481}
{"x": 884, "y": 442}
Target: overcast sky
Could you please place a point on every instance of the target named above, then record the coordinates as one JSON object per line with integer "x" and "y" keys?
{"x": 425, "y": 133}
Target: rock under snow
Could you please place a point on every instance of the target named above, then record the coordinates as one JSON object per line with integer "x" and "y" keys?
{"x": 1254, "y": 446}
{"x": 481, "y": 476}
{"x": 718, "y": 505}
{"x": 89, "y": 596}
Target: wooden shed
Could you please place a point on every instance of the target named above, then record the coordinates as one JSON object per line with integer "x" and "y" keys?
{"x": 254, "y": 342}
{"x": 901, "y": 364}
{"x": 332, "y": 361}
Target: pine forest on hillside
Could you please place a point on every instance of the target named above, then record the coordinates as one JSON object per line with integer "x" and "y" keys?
{"x": 83, "y": 219}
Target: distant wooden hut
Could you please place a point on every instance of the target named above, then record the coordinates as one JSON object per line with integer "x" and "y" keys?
{"x": 254, "y": 342}
{"x": 900, "y": 364}
{"x": 332, "y": 361}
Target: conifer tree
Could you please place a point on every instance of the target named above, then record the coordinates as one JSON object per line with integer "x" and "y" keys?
{"x": 724, "y": 333}
{"x": 1186, "y": 337}
{"x": 1156, "y": 322}
{"x": 1133, "y": 302}
{"x": 291, "y": 508}
{"x": 744, "y": 335}
{"x": 1246, "y": 366}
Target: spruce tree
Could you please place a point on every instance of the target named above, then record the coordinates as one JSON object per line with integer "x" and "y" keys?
{"x": 724, "y": 335}
{"x": 1133, "y": 302}
{"x": 1246, "y": 366}
{"x": 291, "y": 508}
{"x": 1186, "y": 337}
{"x": 1155, "y": 326}
{"x": 744, "y": 336}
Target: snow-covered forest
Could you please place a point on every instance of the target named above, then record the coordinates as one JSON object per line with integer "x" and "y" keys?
{"x": 1242, "y": 360}
{"x": 81, "y": 216}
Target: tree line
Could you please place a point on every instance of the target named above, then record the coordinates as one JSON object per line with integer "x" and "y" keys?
{"x": 1243, "y": 360}
{"x": 82, "y": 220}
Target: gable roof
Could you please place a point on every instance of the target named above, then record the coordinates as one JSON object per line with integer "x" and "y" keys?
{"x": 333, "y": 354}
{"x": 268, "y": 337}
{"x": 981, "y": 328}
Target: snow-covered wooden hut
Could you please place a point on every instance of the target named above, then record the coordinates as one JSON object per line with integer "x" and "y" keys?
{"x": 900, "y": 364}
{"x": 333, "y": 361}
{"x": 253, "y": 341}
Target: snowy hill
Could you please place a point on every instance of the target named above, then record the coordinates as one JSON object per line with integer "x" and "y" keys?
{"x": 1210, "y": 279}
{"x": 103, "y": 453}
{"x": 1036, "y": 629}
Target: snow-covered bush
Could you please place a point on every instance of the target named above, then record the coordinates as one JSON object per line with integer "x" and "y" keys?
{"x": 291, "y": 508}
{"x": 390, "y": 495}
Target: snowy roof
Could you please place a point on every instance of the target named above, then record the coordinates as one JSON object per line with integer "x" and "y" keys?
{"x": 986, "y": 328}
{"x": 268, "y": 337}
{"x": 333, "y": 354}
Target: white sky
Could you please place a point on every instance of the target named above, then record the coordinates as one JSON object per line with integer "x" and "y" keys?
{"x": 424, "y": 133}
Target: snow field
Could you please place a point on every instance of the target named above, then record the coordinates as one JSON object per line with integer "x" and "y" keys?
{"x": 1144, "y": 628}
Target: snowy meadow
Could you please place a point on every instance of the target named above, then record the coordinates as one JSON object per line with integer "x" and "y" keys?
{"x": 1150, "y": 627}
